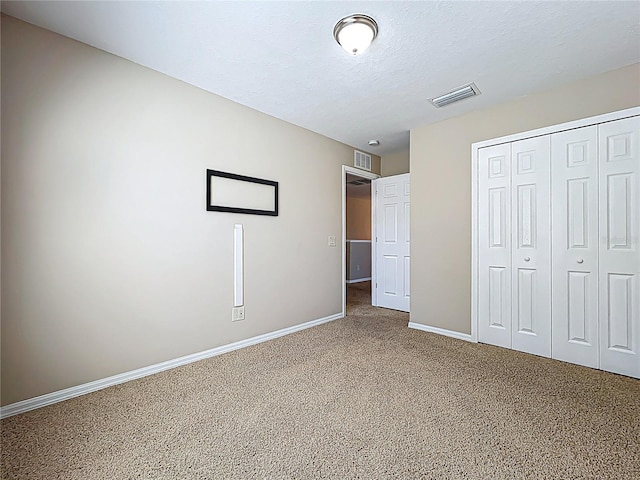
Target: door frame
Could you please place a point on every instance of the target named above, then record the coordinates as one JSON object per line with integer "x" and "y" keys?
{"x": 370, "y": 176}
{"x": 475, "y": 147}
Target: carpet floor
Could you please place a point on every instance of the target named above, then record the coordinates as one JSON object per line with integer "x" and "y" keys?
{"x": 361, "y": 397}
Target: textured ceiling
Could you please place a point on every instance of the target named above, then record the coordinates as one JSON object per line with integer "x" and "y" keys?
{"x": 280, "y": 57}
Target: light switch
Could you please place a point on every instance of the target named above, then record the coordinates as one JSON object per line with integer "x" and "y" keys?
{"x": 332, "y": 240}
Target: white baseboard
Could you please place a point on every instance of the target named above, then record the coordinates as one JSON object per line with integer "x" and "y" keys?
{"x": 67, "y": 393}
{"x": 357, "y": 280}
{"x": 441, "y": 331}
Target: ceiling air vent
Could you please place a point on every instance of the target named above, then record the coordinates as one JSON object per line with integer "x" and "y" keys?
{"x": 362, "y": 160}
{"x": 456, "y": 95}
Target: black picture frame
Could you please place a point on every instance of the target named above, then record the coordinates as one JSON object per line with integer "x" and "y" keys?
{"x": 241, "y": 178}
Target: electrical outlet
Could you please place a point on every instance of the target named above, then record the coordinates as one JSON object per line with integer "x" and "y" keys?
{"x": 332, "y": 240}
{"x": 237, "y": 314}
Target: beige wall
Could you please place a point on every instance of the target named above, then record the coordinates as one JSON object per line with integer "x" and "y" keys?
{"x": 395, "y": 163}
{"x": 358, "y": 218}
{"x": 376, "y": 163}
{"x": 110, "y": 261}
{"x": 441, "y": 168}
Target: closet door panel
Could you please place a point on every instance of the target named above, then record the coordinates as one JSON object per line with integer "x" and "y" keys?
{"x": 574, "y": 180}
{"x": 619, "y": 249}
{"x": 494, "y": 243}
{"x": 531, "y": 246}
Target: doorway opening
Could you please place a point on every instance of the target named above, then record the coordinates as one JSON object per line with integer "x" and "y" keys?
{"x": 358, "y": 227}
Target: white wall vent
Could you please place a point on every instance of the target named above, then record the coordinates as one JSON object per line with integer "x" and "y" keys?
{"x": 362, "y": 160}
{"x": 456, "y": 95}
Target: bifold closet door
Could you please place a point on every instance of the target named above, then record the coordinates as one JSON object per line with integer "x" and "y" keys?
{"x": 574, "y": 173}
{"x": 619, "y": 253}
{"x": 531, "y": 246}
{"x": 494, "y": 245}
{"x": 514, "y": 268}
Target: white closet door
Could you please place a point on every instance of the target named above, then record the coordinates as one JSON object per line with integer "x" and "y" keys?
{"x": 574, "y": 167}
{"x": 619, "y": 246}
{"x": 494, "y": 230}
{"x": 531, "y": 246}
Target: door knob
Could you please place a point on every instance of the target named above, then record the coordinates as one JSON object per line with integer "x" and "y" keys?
{"x": 580, "y": 260}
{"x": 526, "y": 259}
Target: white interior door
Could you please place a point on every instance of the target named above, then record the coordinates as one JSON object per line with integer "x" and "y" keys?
{"x": 574, "y": 159}
{"x": 494, "y": 245}
{"x": 531, "y": 246}
{"x": 619, "y": 255}
{"x": 392, "y": 197}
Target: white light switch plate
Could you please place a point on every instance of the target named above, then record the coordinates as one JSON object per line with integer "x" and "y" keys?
{"x": 332, "y": 240}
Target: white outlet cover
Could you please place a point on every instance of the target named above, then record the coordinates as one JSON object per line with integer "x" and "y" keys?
{"x": 237, "y": 313}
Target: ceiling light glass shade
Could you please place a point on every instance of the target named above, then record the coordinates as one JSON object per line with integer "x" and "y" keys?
{"x": 355, "y": 33}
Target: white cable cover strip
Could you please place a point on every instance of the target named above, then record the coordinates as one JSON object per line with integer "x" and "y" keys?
{"x": 238, "y": 277}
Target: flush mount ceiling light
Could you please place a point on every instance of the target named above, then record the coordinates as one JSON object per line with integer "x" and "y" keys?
{"x": 374, "y": 143}
{"x": 355, "y": 33}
